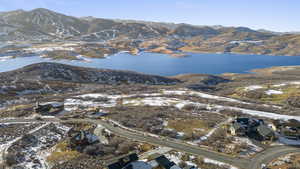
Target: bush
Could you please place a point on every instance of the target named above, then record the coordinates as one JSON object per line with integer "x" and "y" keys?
{"x": 294, "y": 101}
{"x": 11, "y": 159}
{"x": 146, "y": 147}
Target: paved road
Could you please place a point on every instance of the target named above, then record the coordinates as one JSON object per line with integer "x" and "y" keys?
{"x": 270, "y": 154}
{"x": 242, "y": 163}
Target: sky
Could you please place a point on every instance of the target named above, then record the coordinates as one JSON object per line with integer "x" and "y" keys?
{"x": 275, "y": 15}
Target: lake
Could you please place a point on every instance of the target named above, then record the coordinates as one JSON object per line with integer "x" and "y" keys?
{"x": 161, "y": 64}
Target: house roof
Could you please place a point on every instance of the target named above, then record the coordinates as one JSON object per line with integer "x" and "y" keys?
{"x": 264, "y": 130}
{"x": 163, "y": 161}
{"x": 122, "y": 162}
{"x": 166, "y": 163}
{"x": 138, "y": 165}
{"x": 243, "y": 120}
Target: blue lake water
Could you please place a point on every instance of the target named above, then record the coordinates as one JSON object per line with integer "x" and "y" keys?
{"x": 162, "y": 64}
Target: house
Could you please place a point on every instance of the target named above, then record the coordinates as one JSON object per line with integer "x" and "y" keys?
{"x": 138, "y": 165}
{"x": 288, "y": 129}
{"x": 164, "y": 162}
{"x": 83, "y": 138}
{"x": 49, "y": 107}
{"x": 242, "y": 126}
{"x": 292, "y": 133}
{"x": 252, "y": 128}
{"x": 236, "y": 129}
{"x": 124, "y": 162}
{"x": 264, "y": 133}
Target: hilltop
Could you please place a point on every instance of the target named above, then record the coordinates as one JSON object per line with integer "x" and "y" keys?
{"x": 61, "y": 72}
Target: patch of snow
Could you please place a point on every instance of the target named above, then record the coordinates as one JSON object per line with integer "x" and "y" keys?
{"x": 253, "y": 87}
{"x": 49, "y": 49}
{"x": 258, "y": 42}
{"x": 176, "y": 158}
{"x": 269, "y": 115}
{"x": 286, "y": 83}
{"x": 280, "y": 85}
{"x": 5, "y": 58}
{"x": 73, "y": 104}
{"x": 206, "y": 160}
{"x": 83, "y": 58}
{"x": 295, "y": 83}
{"x": 200, "y": 94}
{"x": 180, "y": 134}
{"x": 165, "y": 123}
{"x": 273, "y": 92}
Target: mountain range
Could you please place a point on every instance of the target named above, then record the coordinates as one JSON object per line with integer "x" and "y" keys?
{"x": 43, "y": 25}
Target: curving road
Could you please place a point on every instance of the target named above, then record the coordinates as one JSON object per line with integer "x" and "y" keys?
{"x": 270, "y": 154}
{"x": 252, "y": 163}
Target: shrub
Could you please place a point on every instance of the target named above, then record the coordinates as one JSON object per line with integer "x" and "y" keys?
{"x": 11, "y": 159}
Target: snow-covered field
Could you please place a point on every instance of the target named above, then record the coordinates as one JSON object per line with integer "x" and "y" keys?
{"x": 151, "y": 99}
{"x": 200, "y": 94}
{"x": 154, "y": 100}
{"x": 163, "y": 101}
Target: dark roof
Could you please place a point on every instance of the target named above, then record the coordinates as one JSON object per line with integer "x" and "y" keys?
{"x": 243, "y": 120}
{"x": 164, "y": 162}
{"x": 114, "y": 166}
{"x": 264, "y": 131}
{"x": 122, "y": 162}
